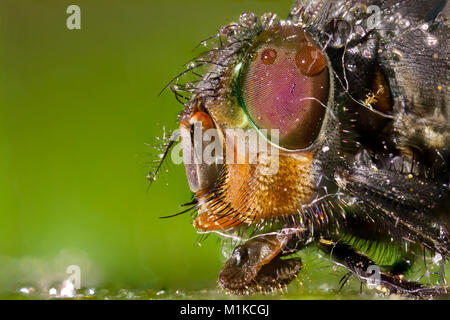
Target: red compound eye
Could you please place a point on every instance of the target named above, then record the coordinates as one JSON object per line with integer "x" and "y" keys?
{"x": 287, "y": 87}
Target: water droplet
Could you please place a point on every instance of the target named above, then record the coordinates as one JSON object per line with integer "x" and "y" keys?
{"x": 432, "y": 41}
{"x": 310, "y": 61}
{"x": 404, "y": 23}
{"x": 269, "y": 19}
{"x": 161, "y": 292}
{"x": 397, "y": 55}
{"x": 437, "y": 258}
{"x": 268, "y": 56}
{"x": 295, "y": 11}
{"x": 228, "y": 30}
{"x": 179, "y": 292}
{"x": 68, "y": 289}
{"x": 248, "y": 19}
{"x": 26, "y": 290}
{"x": 351, "y": 67}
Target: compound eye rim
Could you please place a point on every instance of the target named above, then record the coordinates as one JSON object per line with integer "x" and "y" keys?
{"x": 286, "y": 86}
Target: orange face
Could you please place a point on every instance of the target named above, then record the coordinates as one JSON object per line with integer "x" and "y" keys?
{"x": 246, "y": 196}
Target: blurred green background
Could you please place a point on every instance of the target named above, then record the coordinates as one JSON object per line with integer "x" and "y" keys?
{"x": 77, "y": 110}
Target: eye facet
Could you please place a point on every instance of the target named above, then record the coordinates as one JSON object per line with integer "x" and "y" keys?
{"x": 284, "y": 85}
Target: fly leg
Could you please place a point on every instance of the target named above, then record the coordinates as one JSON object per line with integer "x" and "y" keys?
{"x": 256, "y": 266}
{"x": 371, "y": 275}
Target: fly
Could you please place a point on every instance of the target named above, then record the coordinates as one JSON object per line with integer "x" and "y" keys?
{"x": 353, "y": 161}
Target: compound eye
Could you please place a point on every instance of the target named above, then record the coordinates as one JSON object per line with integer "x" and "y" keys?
{"x": 284, "y": 85}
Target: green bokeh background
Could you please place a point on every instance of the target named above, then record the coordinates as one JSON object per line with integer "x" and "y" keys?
{"x": 77, "y": 110}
